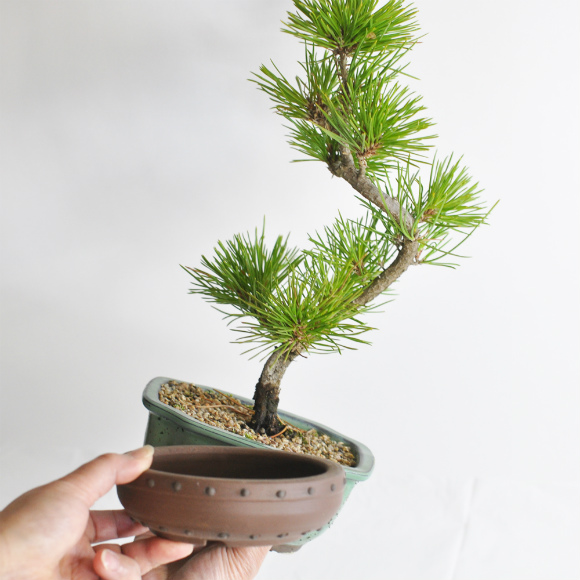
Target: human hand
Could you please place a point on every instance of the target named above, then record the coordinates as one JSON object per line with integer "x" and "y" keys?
{"x": 214, "y": 562}
{"x": 49, "y": 532}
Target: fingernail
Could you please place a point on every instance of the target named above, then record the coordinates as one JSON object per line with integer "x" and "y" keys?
{"x": 142, "y": 453}
{"x": 110, "y": 560}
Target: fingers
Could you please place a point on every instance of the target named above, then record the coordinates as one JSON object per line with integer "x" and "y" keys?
{"x": 112, "y": 524}
{"x": 94, "y": 479}
{"x": 216, "y": 562}
{"x": 133, "y": 560}
{"x": 152, "y": 552}
{"x": 110, "y": 565}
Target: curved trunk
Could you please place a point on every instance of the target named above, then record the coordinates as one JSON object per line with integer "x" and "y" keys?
{"x": 406, "y": 257}
{"x": 346, "y": 169}
{"x": 267, "y": 393}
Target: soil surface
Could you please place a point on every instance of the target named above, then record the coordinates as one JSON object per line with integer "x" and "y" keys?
{"x": 226, "y": 412}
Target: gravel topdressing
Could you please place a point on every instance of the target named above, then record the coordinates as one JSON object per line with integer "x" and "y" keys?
{"x": 226, "y": 412}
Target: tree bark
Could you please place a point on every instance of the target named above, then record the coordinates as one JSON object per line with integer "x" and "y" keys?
{"x": 346, "y": 169}
{"x": 406, "y": 256}
{"x": 267, "y": 393}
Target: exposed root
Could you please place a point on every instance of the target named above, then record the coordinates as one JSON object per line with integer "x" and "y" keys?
{"x": 279, "y": 433}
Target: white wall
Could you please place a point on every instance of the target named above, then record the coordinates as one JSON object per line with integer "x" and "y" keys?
{"x": 132, "y": 142}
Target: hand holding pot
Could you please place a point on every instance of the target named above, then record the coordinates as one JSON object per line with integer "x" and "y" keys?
{"x": 49, "y": 532}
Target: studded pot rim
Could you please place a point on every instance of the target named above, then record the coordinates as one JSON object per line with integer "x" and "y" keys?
{"x": 192, "y": 493}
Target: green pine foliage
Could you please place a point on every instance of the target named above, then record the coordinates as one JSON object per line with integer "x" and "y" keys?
{"x": 352, "y": 25}
{"x": 348, "y": 103}
{"x": 349, "y": 93}
{"x": 283, "y": 299}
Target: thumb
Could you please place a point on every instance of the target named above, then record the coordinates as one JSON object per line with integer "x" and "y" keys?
{"x": 94, "y": 479}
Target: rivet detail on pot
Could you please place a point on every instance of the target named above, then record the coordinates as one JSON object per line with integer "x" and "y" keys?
{"x": 198, "y": 487}
{"x": 239, "y": 496}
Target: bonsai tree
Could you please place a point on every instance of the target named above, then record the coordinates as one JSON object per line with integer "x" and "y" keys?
{"x": 350, "y": 111}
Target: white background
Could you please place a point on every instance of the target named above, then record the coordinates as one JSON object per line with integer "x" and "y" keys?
{"x": 132, "y": 141}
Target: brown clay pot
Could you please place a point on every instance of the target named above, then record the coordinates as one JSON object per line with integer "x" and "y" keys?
{"x": 236, "y": 496}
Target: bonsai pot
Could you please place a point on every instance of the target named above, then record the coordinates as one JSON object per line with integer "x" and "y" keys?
{"x": 236, "y": 496}
{"x": 168, "y": 426}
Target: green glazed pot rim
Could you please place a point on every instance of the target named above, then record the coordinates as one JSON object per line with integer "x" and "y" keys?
{"x": 359, "y": 472}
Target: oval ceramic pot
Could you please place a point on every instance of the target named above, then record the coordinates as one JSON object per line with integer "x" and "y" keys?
{"x": 236, "y": 496}
{"x": 170, "y": 426}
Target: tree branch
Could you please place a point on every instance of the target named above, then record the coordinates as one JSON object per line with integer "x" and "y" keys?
{"x": 346, "y": 169}
{"x": 342, "y": 69}
{"x": 404, "y": 259}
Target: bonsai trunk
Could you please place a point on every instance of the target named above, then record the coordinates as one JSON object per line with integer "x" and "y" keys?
{"x": 267, "y": 393}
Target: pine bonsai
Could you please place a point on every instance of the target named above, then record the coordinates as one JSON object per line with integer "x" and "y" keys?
{"x": 350, "y": 111}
